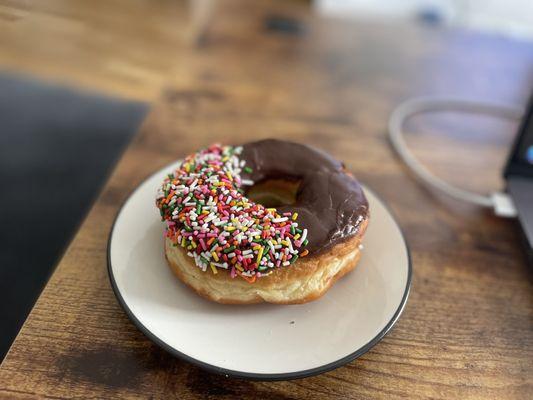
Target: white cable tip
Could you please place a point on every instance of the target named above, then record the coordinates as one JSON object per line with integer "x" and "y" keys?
{"x": 503, "y": 205}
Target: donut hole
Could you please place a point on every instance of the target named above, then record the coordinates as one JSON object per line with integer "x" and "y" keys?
{"x": 274, "y": 192}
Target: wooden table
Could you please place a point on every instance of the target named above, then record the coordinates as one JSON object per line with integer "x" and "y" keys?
{"x": 467, "y": 330}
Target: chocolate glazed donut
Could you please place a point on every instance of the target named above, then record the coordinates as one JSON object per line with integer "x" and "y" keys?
{"x": 329, "y": 201}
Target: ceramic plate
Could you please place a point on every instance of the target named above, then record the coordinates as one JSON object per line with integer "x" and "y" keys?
{"x": 257, "y": 341}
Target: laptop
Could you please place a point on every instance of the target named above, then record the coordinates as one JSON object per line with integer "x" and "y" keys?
{"x": 519, "y": 176}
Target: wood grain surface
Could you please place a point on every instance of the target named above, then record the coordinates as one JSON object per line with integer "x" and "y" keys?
{"x": 467, "y": 330}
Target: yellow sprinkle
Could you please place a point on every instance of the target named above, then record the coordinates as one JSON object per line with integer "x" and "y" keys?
{"x": 244, "y": 228}
{"x": 297, "y": 236}
{"x": 271, "y": 209}
{"x": 286, "y": 243}
{"x": 183, "y": 242}
{"x": 193, "y": 245}
{"x": 294, "y": 216}
{"x": 229, "y": 175}
{"x": 256, "y": 247}
{"x": 259, "y": 255}
{"x": 257, "y": 237}
{"x": 215, "y": 256}
{"x": 214, "y": 269}
{"x": 187, "y": 167}
{"x": 238, "y": 266}
{"x": 229, "y": 228}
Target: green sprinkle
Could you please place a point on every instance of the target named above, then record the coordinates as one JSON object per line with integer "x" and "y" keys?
{"x": 248, "y": 170}
{"x": 229, "y": 249}
{"x": 294, "y": 258}
{"x": 305, "y": 242}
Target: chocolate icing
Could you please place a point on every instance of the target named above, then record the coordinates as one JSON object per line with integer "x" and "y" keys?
{"x": 330, "y": 203}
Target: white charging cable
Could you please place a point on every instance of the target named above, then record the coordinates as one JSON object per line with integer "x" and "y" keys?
{"x": 500, "y": 202}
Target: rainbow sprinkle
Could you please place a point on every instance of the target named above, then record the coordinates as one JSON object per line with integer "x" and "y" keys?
{"x": 208, "y": 214}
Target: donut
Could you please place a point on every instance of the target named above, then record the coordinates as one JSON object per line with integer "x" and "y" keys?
{"x": 269, "y": 221}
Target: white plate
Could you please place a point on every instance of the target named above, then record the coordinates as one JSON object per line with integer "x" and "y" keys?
{"x": 257, "y": 341}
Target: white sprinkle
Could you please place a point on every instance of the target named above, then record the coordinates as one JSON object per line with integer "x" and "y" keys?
{"x": 290, "y": 246}
{"x": 209, "y": 218}
{"x": 304, "y": 236}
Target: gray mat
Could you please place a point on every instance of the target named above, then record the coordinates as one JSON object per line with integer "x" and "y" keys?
{"x": 57, "y": 146}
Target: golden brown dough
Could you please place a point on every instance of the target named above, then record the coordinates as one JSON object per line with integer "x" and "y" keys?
{"x": 305, "y": 280}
